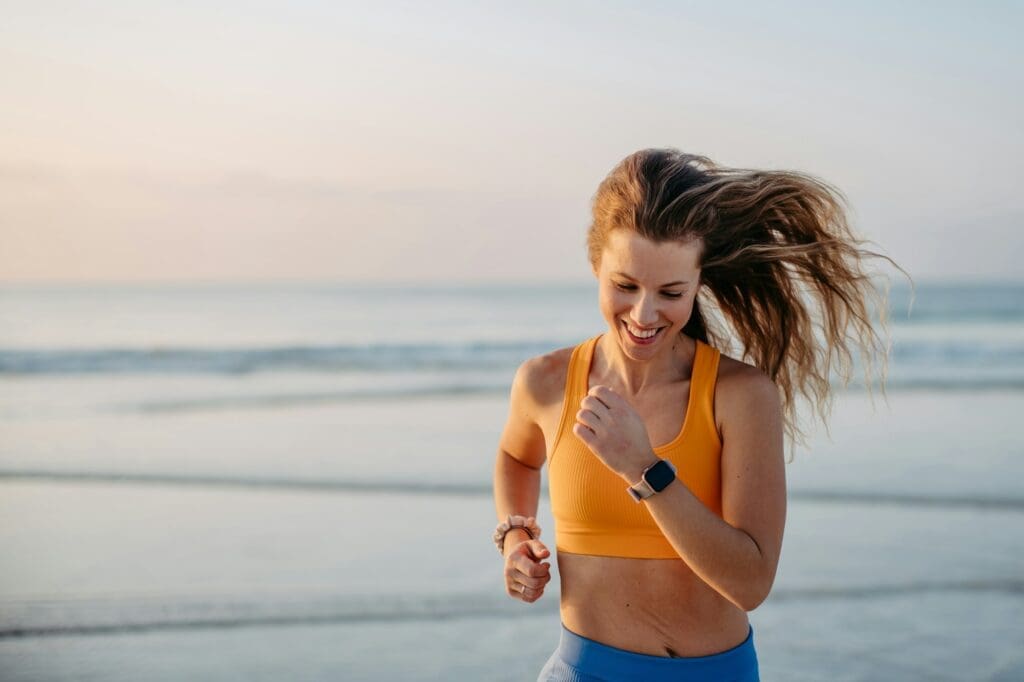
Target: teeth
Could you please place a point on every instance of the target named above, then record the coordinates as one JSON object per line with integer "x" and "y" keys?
{"x": 641, "y": 334}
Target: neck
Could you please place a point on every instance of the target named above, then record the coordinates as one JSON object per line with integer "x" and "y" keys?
{"x": 673, "y": 363}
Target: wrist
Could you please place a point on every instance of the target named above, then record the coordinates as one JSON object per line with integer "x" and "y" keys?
{"x": 653, "y": 480}
{"x": 634, "y": 474}
{"x": 522, "y": 525}
{"x": 513, "y": 538}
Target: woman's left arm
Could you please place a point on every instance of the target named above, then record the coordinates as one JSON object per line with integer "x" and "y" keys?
{"x": 736, "y": 554}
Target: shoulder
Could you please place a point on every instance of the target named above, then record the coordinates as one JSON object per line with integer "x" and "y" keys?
{"x": 537, "y": 386}
{"x": 541, "y": 379}
{"x": 741, "y": 390}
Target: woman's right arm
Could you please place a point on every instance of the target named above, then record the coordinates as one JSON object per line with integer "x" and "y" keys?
{"x": 521, "y": 455}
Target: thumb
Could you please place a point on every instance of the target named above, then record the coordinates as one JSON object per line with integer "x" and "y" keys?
{"x": 538, "y": 549}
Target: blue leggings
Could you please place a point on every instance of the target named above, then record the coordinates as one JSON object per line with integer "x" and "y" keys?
{"x": 578, "y": 659}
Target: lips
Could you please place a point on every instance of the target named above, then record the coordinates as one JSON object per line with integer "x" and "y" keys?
{"x": 641, "y": 341}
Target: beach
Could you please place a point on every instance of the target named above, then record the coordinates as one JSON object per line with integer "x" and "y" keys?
{"x": 263, "y": 498}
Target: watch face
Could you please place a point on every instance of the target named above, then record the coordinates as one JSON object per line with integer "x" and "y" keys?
{"x": 660, "y": 475}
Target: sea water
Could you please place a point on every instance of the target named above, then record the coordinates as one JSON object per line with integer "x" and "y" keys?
{"x": 246, "y": 482}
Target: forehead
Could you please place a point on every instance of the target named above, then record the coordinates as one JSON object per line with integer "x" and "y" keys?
{"x": 641, "y": 258}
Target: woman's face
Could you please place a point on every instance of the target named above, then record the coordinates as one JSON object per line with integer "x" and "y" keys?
{"x": 646, "y": 286}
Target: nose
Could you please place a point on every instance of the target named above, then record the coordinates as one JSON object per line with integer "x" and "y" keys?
{"x": 645, "y": 311}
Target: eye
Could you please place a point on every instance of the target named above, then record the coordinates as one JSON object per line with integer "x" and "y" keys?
{"x": 632, "y": 287}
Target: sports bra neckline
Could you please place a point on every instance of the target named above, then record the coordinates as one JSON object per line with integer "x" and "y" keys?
{"x": 696, "y": 374}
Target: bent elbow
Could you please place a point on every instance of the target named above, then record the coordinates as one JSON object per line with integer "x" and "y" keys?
{"x": 755, "y": 596}
{"x": 753, "y": 601}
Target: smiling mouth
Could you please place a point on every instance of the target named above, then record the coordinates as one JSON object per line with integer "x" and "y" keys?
{"x": 649, "y": 338}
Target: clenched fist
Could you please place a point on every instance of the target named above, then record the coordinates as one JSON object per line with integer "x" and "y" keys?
{"x": 525, "y": 574}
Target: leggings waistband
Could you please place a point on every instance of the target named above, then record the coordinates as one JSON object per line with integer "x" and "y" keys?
{"x": 588, "y": 656}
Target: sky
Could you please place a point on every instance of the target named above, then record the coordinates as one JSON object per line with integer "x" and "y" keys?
{"x": 463, "y": 141}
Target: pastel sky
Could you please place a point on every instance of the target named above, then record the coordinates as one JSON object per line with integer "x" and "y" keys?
{"x": 463, "y": 141}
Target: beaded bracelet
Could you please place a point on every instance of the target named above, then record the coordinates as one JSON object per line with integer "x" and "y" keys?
{"x": 514, "y": 521}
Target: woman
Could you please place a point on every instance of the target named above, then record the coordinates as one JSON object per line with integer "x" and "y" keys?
{"x": 665, "y": 455}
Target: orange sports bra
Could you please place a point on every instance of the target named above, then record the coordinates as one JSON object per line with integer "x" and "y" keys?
{"x": 593, "y": 512}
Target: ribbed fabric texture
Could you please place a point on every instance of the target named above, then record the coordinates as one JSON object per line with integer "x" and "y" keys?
{"x": 593, "y": 512}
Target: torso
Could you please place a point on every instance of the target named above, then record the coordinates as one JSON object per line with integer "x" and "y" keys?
{"x": 651, "y": 606}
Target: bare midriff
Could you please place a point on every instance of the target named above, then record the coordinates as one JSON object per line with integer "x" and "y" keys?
{"x": 657, "y": 607}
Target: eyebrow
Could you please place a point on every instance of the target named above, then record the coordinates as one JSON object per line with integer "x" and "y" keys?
{"x": 670, "y": 284}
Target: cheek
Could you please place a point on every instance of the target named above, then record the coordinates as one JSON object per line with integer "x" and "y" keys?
{"x": 604, "y": 296}
{"x": 686, "y": 311}
{"x": 678, "y": 312}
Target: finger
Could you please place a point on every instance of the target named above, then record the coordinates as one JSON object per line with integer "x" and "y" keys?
{"x": 533, "y": 592}
{"x": 584, "y": 433}
{"x": 524, "y": 591}
{"x": 533, "y": 550}
{"x": 532, "y": 582}
{"x": 588, "y": 419}
{"x": 529, "y": 566}
{"x": 537, "y": 549}
{"x": 595, "y": 405}
{"x": 605, "y": 394}
{"x": 530, "y": 569}
{"x": 522, "y": 559}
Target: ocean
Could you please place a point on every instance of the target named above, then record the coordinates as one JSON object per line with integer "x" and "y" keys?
{"x": 293, "y": 481}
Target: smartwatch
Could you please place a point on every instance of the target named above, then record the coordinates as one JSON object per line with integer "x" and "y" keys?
{"x": 654, "y": 479}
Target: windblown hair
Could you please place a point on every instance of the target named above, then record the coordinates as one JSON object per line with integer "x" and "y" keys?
{"x": 779, "y": 262}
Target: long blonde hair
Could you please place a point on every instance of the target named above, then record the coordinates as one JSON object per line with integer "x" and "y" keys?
{"x": 778, "y": 261}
